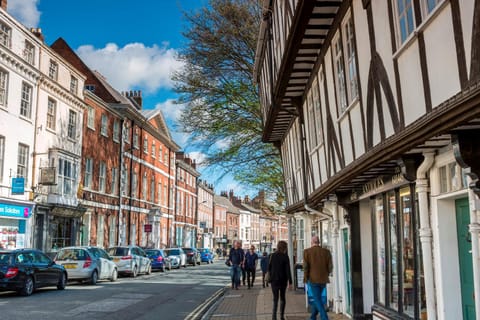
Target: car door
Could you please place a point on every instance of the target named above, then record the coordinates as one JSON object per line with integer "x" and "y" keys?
{"x": 107, "y": 264}
{"x": 43, "y": 267}
{"x": 144, "y": 261}
{"x": 101, "y": 263}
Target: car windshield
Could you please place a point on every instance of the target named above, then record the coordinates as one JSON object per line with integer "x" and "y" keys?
{"x": 5, "y": 258}
{"x": 187, "y": 250}
{"x": 118, "y": 251}
{"x": 173, "y": 252}
{"x": 71, "y": 254}
{"x": 152, "y": 252}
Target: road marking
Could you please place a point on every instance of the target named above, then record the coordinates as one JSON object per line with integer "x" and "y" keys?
{"x": 112, "y": 304}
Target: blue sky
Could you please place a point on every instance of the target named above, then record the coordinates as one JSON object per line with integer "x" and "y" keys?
{"x": 132, "y": 43}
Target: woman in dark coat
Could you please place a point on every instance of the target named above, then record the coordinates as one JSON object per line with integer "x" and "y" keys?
{"x": 280, "y": 277}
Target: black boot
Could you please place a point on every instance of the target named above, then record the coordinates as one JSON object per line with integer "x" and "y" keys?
{"x": 282, "y": 310}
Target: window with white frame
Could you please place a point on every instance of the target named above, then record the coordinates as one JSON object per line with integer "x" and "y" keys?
{"x": 26, "y": 101}
{"x": 165, "y": 195}
{"x": 112, "y": 233}
{"x": 144, "y": 187}
{"x": 87, "y": 179}
{"x": 153, "y": 149}
{"x": 67, "y": 172}
{"x": 152, "y": 189}
{"x": 104, "y": 127}
{"x": 72, "y": 124}
{"x": 159, "y": 193}
{"x": 114, "y": 187}
{"x": 429, "y": 5}
{"x": 116, "y": 130}
{"x": 3, "y": 87}
{"x": 29, "y": 52}
{"x": 165, "y": 156}
{"x": 134, "y": 185}
{"x": 2, "y": 156}
{"x": 339, "y": 69}
{"x": 404, "y": 18}
{"x": 317, "y": 111}
{"x": 5, "y": 35}
{"x": 91, "y": 117}
{"x": 53, "y": 70}
{"x": 350, "y": 59}
{"x": 51, "y": 114}
{"x": 100, "y": 232}
{"x": 73, "y": 85}
{"x": 135, "y": 139}
{"x": 145, "y": 144}
{"x": 102, "y": 176}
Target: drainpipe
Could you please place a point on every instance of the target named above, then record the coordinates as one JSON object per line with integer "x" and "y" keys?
{"x": 425, "y": 232}
{"x": 474, "y": 229}
{"x": 335, "y": 234}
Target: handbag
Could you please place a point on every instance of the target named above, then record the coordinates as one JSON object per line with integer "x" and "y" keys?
{"x": 267, "y": 274}
{"x": 227, "y": 263}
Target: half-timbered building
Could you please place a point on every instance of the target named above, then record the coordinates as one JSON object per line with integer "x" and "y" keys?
{"x": 375, "y": 107}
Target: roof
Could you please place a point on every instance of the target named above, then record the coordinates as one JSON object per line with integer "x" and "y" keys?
{"x": 225, "y": 202}
{"x": 250, "y": 208}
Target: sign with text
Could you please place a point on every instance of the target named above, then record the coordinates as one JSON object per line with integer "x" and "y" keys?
{"x": 18, "y": 185}
{"x": 147, "y": 228}
{"x": 15, "y": 211}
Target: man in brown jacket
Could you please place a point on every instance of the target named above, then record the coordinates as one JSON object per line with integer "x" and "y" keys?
{"x": 317, "y": 265}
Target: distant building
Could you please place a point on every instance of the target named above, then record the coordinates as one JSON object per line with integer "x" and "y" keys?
{"x": 205, "y": 215}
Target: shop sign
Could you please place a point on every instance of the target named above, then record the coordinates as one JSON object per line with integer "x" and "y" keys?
{"x": 48, "y": 176}
{"x": 18, "y": 185}
{"x": 15, "y": 211}
{"x": 147, "y": 228}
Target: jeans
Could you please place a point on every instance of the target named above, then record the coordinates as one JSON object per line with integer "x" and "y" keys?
{"x": 318, "y": 305}
{"x": 278, "y": 292}
{"x": 250, "y": 277}
{"x": 235, "y": 275}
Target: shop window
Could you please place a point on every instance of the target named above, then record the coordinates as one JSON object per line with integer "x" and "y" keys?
{"x": 380, "y": 250}
{"x": 452, "y": 178}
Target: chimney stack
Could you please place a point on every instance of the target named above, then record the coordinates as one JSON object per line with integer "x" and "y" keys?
{"x": 3, "y": 4}
{"x": 37, "y": 32}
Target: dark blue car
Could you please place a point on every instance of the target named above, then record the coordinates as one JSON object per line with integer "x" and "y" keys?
{"x": 206, "y": 255}
{"x": 158, "y": 259}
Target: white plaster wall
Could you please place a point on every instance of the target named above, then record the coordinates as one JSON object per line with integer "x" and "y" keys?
{"x": 367, "y": 255}
{"x": 315, "y": 167}
{"x": 323, "y": 168}
{"x": 346, "y": 140}
{"x": 441, "y": 57}
{"x": 411, "y": 83}
{"x": 466, "y": 13}
{"x": 356, "y": 116}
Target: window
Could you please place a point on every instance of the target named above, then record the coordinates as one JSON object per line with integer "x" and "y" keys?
{"x": 90, "y": 87}
{"x": 429, "y": 5}
{"x": 350, "y": 59}
{"x": 159, "y": 193}
{"x": 26, "y": 102}
{"x": 91, "y": 117}
{"x": 87, "y": 180}
{"x": 144, "y": 187}
{"x": 153, "y": 149}
{"x": 145, "y": 144}
{"x": 165, "y": 156}
{"x": 29, "y": 52}
{"x": 116, "y": 130}
{"x": 51, "y": 114}
{"x": 134, "y": 185}
{"x": 165, "y": 195}
{"x": 135, "y": 140}
{"x": 5, "y": 35}
{"x": 73, "y": 85}
{"x": 405, "y": 18}
{"x": 72, "y": 124}
{"x": 66, "y": 177}
{"x": 2, "y": 156}
{"x": 102, "y": 176}
{"x": 380, "y": 249}
{"x": 451, "y": 177}
{"x": 53, "y": 70}
{"x": 114, "y": 187}
{"x": 100, "y": 232}
{"x": 339, "y": 75}
{"x": 3, "y": 87}
{"x": 152, "y": 189}
{"x": 104, "y": 128}
{"x": 22, "y": 161}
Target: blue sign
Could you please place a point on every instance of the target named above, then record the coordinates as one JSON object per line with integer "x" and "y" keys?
{"x": 15, "y": 211}
{"x": 18, "y": 185}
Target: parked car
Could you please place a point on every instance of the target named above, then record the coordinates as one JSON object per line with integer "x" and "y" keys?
{"x": 24, "y": 270}
{"x": 130, "y": 260}
{"x": 87, "y": 264}
{"x": 159, "y": 259}
{"x": 206, "y": 255}
{"x": 177, "y": 257}
{"x": 193, "y": 256}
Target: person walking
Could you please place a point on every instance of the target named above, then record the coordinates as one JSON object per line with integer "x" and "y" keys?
{"x": 251, "y": 261}
{"x": 317, "y": 265}
{"x": 280, "y": 277}
{"x": 264, "y": 267}
{"x": 236, "y": 259}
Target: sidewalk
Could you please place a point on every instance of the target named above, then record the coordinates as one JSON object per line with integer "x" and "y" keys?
{"x": 256, "y": 303}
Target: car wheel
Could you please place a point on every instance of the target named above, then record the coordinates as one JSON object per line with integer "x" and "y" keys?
{"x": 94, "y": 278}
{"x": 134, "y": 272}
{"x": 114, "y": 275}
{"x": 28, "y": 286}
{"x": 62, "y": 282}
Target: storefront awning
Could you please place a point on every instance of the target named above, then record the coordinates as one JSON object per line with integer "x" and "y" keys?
{"x": 68, "y": 212}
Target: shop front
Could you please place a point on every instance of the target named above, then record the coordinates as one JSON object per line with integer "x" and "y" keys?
{"x": 15, "y": 224}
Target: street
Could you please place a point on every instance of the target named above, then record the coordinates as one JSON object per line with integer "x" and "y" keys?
{"x": 170, "y": 295}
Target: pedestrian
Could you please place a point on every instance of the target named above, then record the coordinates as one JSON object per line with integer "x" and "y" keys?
{"x": 236, "y": 259}
{"x": 251, "y": 262}
{"x": 280, "y": 277}
{"x": 224, "y": 253}
{"x": 264, "y": 268}
{"x": 317, "y": 265}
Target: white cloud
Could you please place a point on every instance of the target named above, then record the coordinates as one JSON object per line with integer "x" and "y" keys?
{"x": 198, "y": 156}
{"x": 24, "y": 11}
{"x": 133, "y": 66}
{"x": 170, "y": 109}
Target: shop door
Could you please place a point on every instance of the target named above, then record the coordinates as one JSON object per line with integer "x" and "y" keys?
{"x": 465, "y": 258}
{"x": 348, "y": 277}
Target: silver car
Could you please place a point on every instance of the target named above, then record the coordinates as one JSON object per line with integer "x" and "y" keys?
{"x": 178, "y": 258}
{"x": 131, "y": 260}
{"x": 87, "y": 264}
